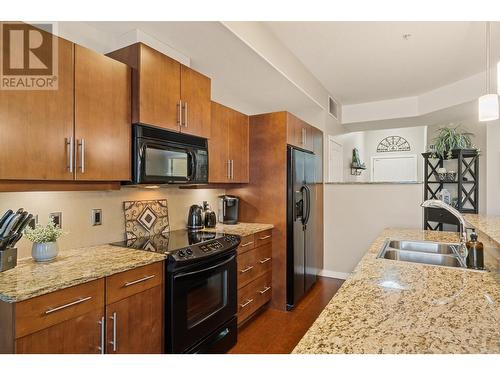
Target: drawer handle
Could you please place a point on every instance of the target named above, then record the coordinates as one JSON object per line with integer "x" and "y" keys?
{"x": 247, "y": 244}
{"x": 50, "y": 311}
{"x": 262, "y": 261}
{"x": 139, "y": 281}
{"x": 246, "y": 269}
{"x": 264, "y": 290}
{"x": 265, "y": 237}
{"x": 248, "y": 302}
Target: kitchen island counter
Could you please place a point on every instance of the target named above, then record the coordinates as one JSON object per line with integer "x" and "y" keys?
{"x": 389, "y": 306}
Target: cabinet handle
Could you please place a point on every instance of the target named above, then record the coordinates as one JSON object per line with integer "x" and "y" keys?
{"x": 185, "y": 115}
{"x": 138, "y": 281}
{"x": 81, "y": 143}
{"x": 247, "y": 244}
{"x": 248, "y": 302}
{"x": 246, "y": 269}
{"x": 264, "y": 290}
{"x": 304, "y": 136}
{"x": 265, "y": 237}
{"x": 229, "y": 169}
{"x": 179, "y": 114}
{"x": 69, "y": 146}
{"x": 262, "y": 261}
{"x": 78, "y": 301}
{"x": 101, "y": 348}
{"x": 232, "y": 169}
{"x": 113, "y": 342}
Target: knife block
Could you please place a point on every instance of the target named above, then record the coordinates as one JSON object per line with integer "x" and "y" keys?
{"x": 8, "y": 259}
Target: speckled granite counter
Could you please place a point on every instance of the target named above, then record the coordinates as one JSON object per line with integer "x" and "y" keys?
{"x": 489, "y": 225}
{"x": 71, "y": 267}
{"x": 240, "y": 229}
{"x": 389, "y": 306}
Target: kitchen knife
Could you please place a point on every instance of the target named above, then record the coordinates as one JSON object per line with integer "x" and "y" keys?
{"x": 6, "y": 223}
{"x": 12, "y": 223}
{"x": 5, "y": 217}
{"x": 17, "y": 225}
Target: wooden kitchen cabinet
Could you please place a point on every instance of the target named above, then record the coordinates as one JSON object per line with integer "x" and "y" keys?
{"x": 299, "y": 133}
{"x": 36, "y": 126}
{"x": 122, "y": 313}
{"x": 166, "y": 93}
{"x": 102, "y": 117}
{"x": 228, "y": 146}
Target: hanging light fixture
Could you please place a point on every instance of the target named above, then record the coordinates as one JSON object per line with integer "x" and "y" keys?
{"x": 488, "y": 104}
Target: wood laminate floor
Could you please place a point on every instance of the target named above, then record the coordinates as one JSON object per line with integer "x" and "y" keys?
{"x": 278, "y": 332}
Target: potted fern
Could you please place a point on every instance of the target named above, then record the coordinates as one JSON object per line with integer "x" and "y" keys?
{"x": 451, "y": 138}
{"x": 44, "y": 238}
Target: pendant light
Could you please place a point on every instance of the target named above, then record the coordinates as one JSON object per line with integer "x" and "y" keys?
{"x": 488, "y": 104}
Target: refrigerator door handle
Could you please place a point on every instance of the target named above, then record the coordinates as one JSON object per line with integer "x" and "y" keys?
{"x": 308, "y": 203}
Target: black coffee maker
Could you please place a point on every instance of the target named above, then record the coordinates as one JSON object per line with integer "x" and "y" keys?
{"x": 195, "y": 217}
{"x": 228, "y": 209}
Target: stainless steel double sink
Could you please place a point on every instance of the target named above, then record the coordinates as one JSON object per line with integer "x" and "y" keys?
{"x": 426, "y": 252}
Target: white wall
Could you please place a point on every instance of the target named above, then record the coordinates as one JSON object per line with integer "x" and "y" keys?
{"x": 492, "y": 156}
{"x": 358, "y": 213}
{"x": 76, "y": 211}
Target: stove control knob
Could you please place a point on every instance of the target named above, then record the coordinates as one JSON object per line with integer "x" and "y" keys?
{"x": 189, "y": 251}
{"x": 181, "y": 253}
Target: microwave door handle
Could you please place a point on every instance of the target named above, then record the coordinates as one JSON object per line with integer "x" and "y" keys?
{"x": 192, "y": 164}
{"x": 184, "y": 274}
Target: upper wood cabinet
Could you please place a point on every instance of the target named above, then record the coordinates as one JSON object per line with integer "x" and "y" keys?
{"x": 228, "y": 146}
{"x": 299, "y": 133}
{"x": 36, "y": 127}
{"x": 102, "y": 117}
{"x": 166, "y": 93}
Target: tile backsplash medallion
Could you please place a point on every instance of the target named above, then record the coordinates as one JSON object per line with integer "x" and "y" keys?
{"x": 76, "y": 208}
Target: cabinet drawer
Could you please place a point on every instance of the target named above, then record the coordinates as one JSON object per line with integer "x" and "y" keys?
{"x": 253, "y": 296}
{"x": 263, "y": 237}
{"x": 125, "y": 284}
{"x": 45, "y": 311}
{"x": 253, "y": 264}
{"x": 247, "y": 243}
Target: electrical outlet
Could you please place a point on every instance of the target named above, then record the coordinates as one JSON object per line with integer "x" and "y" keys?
{"x": 96, "y": 216}
{"x": 56, "y": 217}
{"x": 33, "y": 222}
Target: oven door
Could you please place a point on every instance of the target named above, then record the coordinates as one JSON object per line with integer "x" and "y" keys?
{"x": 202, "y": 299}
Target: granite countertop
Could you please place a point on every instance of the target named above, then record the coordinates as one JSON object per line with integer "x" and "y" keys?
{"x": 389, "y": 306}
{"x": 240, "y": 229}
{"x": 489, "y": 225}
{"x": 71, "y": 267}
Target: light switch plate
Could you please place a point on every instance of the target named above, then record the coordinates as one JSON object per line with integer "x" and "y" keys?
{"x": 56, "y": 217}
{"x": 96, "y": 216}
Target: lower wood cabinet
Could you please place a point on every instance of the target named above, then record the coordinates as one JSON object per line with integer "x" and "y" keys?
{"x": 254, "y": 274}
{"x": 78, "y": 320}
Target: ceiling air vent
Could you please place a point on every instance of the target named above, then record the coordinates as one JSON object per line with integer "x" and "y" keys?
{"x": 333, "y": 108}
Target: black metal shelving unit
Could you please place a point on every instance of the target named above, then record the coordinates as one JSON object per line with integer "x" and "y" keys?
{"x": 465, "y": 188}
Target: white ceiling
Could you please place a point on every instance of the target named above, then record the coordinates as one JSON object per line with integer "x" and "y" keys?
{"x": 370, "y": 61}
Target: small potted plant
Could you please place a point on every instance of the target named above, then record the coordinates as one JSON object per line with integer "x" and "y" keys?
{"x": 44, "y": 238}
{"x": 451, "y": 138}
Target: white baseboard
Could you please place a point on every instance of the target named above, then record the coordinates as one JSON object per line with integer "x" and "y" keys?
{"x": 334, "y": 274}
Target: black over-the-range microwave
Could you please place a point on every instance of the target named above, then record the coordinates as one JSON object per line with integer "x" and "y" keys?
{"x": 165, "y": 157}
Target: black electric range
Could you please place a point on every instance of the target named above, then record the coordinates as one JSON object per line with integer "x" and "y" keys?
{"x": 200, "y": 289}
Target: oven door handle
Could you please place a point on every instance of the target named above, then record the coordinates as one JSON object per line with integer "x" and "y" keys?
{"x": 205, "y": 269}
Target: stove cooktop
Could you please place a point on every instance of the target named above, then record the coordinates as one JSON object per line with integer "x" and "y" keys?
{"x": 183, "y": 245}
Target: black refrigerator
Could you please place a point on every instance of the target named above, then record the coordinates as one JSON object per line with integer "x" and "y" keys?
{"x": 301, "y": 222}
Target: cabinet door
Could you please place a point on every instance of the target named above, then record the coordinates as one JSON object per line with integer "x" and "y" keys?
{"x": 35, "y": 126}
{"x": 159, "y": 89}
{"x": 317, "y": 139}
{"x": 102, "y": 117}
{"x": 134, "y": 324}
{"x": 80, "y": 335}
{"x": 238, "y": 134}
{"x": 299, "y": 133}
{"x": 218, "y": 162}
{"x": 195, "y": 94}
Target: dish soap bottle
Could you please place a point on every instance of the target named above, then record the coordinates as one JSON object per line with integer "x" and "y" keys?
{"x": 475, "y": 253}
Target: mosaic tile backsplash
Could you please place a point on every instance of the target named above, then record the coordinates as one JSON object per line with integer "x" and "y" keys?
{"x": 145, "y": 218}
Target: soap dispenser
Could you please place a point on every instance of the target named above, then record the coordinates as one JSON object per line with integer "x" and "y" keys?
{"x": 475, "y": 252}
